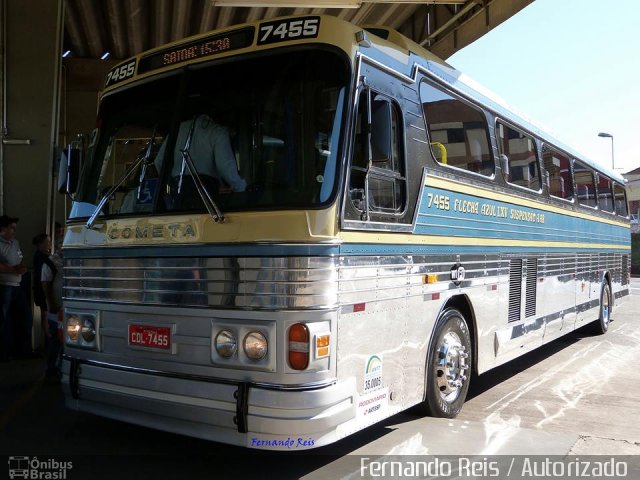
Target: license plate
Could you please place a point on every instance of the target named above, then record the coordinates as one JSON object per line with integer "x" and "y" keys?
{"x": 150, "y": 336}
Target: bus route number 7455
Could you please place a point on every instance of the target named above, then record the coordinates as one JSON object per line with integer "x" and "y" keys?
{"x": 284, "y": 30}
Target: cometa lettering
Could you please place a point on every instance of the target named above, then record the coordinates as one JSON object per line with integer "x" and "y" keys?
{"x": 174, "y": 230}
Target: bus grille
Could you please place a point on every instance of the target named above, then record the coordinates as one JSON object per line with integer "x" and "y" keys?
{"x": 261, "y": 283}
{"x": 625, "y": 270}
{"x": 515, "y": 289}
{"x": 532, "y": 284}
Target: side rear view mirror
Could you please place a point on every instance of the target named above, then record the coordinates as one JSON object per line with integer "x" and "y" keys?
{"x": 69, "y": 169}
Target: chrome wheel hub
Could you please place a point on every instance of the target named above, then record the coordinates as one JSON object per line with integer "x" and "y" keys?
{"x": 606, "y": 311}
{"x": 451, "y": 366}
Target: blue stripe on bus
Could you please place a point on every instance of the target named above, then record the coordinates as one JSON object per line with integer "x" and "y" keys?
{"x": 492, "y": 219}
{"x": 390, "y": 249}
{"x": 263, "y": 250}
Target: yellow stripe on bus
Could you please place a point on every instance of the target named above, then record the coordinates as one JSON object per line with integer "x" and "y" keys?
{"x": 481, "y": 192}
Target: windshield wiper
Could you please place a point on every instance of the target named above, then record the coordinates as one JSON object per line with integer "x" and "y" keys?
{"x": 143, "y": 158}
{"x": 146, "y": 162}
{"x": 210, "y": 205}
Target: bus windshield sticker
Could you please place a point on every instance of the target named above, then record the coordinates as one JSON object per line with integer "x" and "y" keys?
{"x": 285, "y": 30}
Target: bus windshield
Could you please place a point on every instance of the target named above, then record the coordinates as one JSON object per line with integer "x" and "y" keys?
{"x": 258, "y": 133}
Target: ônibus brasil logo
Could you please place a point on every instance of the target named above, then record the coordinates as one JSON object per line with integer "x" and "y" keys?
{"x": 38, "y": 469}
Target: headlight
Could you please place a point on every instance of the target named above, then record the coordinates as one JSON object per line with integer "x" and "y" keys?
{"x": 255, "y": 345}
{"x": 88, "y": 330}
{"x": 73, "y": 327}
{"x": 81, "y": 330}
{"x": 226, "y": 343}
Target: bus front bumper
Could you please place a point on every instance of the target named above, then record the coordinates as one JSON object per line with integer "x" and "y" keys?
{"x": 224, "y": 411}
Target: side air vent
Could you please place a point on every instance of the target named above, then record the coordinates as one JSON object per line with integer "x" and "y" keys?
{"x": 532, "y": 284}
{"x": 515, "y": 289}
{"x": 625, "y": 270}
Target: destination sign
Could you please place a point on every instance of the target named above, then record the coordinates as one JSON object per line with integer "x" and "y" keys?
{"x": 203, "y": 47}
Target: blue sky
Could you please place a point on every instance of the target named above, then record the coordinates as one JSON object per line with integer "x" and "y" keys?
{"x": 572, "y": 66}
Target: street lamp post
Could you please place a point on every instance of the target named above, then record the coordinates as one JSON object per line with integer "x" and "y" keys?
{"x": 608, "y": 135}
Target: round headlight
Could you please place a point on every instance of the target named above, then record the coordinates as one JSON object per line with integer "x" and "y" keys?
{"x": 73, "y": 327}
{"x": 88, "y": 330}
{"x": 255, "y": 345}
{"x": 226, "y": 343}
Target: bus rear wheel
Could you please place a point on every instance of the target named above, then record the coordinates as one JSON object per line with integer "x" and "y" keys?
{"x": 448, "y": 365}
{"x": 601, "y": 325}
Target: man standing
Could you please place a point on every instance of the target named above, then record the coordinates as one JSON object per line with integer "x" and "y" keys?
{"x": 12, "y": 297}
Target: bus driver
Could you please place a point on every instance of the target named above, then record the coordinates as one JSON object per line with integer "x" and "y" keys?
{"x": 212, "y": 155}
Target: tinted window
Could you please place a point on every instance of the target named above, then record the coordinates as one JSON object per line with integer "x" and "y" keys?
{"x": 605, "y": 194}
{"x": 585, "y": 185}
{"x": 271, "y": 144}
{"x": 378, "y": 182}
{"x": 558, "y": 167}
{"x": 518, "y": 154}
{"x": 620, "y": 200}
{"x": 457, "y": 131}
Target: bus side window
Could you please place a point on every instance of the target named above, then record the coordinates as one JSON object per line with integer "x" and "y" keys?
{"x": 620, "y": 200}
{"x": 605, "y": 194}
{"x": 585, "y": 185}
{"x": 458, "y": 132}
{"x": 558, "y": 167}
{"x": 378, "y": 182}
{"x": 519, "y": 150}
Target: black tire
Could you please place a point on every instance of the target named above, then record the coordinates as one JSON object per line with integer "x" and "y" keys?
{"x": 601, "y": 325}
{"x": 450, "y": 353}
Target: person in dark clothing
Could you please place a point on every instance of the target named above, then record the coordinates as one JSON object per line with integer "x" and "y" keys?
{"x": 51, "y": 278}
{"x": 12, "y": 297}
{"x": 42, "y": 242}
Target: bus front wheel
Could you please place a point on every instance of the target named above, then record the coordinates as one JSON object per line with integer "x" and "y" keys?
{"x": 448, "y": 365}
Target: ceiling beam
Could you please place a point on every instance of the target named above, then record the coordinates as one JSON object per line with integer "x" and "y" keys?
{"x": 255, "y": 14}
{"x": 126, "y": 27}
{"x": 136, "y": 15}
{"x": 476, "y": 26}
{"x": 321, "y": 3}
{"x": 75, "y": 32}
{"x": 208, "y": 19}
{"x": 91, "y": 25}
{"x": 180, "y": 20}
{"x": 119, "y": 34}
{"x": 225, "y": 17}
{"x": 161, "y": 22}
{"x": 449, "y": 23}
{"x": 403, "y": 16}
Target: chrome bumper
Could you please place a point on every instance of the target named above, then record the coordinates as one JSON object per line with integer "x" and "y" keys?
{"x": 238, "y": 413}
